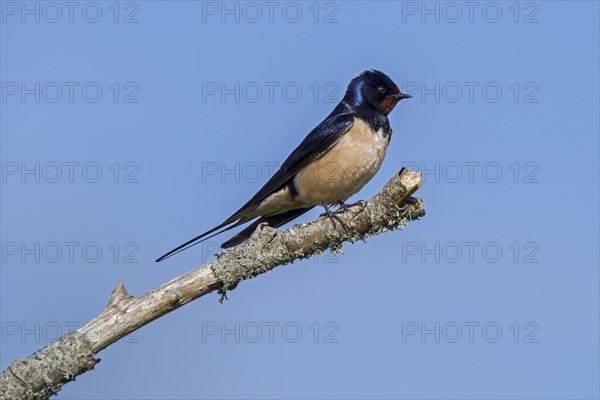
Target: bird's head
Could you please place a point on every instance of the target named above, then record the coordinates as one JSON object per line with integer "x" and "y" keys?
{"x": 374, "y": 89}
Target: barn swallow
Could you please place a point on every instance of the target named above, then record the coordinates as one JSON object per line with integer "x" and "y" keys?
{"x": 332, "y": 163}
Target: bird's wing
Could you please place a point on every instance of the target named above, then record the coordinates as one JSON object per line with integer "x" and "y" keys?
{"x": 316, "y": 143}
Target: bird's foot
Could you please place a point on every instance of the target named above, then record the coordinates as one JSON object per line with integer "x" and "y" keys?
{"x": 343, "y": 206}
{"x": 333, "y": 217}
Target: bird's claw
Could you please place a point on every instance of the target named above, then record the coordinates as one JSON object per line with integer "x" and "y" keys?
{"x": 333, "y": 217}
{"x": 343, "y": 206}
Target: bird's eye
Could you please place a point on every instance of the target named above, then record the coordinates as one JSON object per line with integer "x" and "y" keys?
{"x": 382, "y": 89}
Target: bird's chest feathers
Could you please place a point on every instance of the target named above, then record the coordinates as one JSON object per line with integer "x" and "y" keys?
{"x": 346, "y": 167}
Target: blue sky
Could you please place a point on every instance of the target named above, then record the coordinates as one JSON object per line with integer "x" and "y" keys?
{"x": 128, "y": 128}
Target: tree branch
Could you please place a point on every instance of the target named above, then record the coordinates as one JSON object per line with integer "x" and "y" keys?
{"x": 45, "y": 372}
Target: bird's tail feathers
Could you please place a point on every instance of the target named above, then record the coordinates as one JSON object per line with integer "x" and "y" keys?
{"x": 274, "y": 221}
{"x": 201, "y": 238}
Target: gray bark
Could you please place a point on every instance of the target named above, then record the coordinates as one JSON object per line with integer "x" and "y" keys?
{"x": 45, "y": 372}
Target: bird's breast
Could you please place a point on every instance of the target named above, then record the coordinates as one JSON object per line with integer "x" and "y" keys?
{"x": 345, "y": 168}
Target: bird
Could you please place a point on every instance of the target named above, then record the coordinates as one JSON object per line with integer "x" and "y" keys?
{"x": 335, "y": 160}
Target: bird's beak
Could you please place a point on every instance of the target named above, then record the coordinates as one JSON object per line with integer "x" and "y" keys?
{"x": 401, "y": 96}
